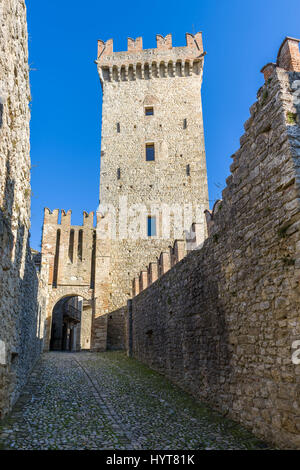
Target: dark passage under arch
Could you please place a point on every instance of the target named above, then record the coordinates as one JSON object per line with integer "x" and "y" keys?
{"x": 66, "y": 324}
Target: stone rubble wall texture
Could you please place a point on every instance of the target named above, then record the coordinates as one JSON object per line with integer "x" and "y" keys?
{"x": 22, "y": 289}
{"x": 169, "y": 80}
{"x": 222, "y": 321}
{"x": 116, "y": 332}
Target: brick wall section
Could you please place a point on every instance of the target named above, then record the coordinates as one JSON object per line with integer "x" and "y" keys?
{"x": 22, "y": 304}
{"x": 221, "y": 322}
{"x": 289, "y": 55}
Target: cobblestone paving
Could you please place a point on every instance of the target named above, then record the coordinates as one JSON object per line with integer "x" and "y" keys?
{"x": 107, "y": 401}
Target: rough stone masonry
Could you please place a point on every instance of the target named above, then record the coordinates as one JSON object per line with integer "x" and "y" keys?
{"x": 21, "y": 300}
{"x": 221, "y": 323}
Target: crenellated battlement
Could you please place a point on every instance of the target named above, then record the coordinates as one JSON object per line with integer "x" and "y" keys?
{"x": 135, "y": 45}
{"x": 156, "y": 269}
{"x": 66, "y": 217}
{"x": 288, "y": 58}
{"x": 210, "y": 216}
{"x": 105, "y": 48}
{"x": 67, "y": 248}
{"x": 52, "y": 218}
{"x": 168, "y": 259}
{"x": 160, "y": 62}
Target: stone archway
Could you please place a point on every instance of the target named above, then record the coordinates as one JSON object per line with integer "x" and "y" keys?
{"x": 56, "y": 296}
{"x": 65, "y": 325}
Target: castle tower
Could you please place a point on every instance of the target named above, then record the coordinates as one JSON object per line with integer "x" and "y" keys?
{"x": 153, "y": 172}
{"x": 153, "y": 186}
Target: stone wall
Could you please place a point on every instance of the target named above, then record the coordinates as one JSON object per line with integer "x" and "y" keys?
{"x": 21, "y": 302}
{"x": 116, "y": 329}
{"x": 86, "y": 326}
{"x": 222, "y": 321}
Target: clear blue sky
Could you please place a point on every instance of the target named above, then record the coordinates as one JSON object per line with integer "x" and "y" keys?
{"x": 239, "y": 37}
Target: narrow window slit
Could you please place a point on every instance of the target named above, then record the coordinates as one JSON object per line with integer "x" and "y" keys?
{"x": 80, "y": 241}
{"x": 93, "y": 261}
{"x": 56, "y": 259}
{"x": 71, "y": 246}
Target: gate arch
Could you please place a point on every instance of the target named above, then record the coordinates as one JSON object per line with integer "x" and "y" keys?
{"x": 78, "y": 264}
{"x": 64, "y": 292}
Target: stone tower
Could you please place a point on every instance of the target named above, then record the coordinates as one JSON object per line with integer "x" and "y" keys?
{"x": 153, "y": 186}
{"x": 153, "y": 172}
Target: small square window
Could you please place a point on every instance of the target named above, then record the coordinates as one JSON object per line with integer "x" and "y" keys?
{"x": 151, "y": 226}
{"x": 150, "y": 152}
{"x": 149, "y": 111}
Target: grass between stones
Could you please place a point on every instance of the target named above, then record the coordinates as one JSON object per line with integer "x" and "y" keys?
{"x": 181, "y": 402}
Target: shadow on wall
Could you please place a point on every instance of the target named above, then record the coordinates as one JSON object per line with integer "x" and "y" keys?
{"x": 212, "y": 355}
{"x": 20, "y": 314}
{"x": 167, "y": 326}
{"x": 295, "y": 88}
{"x": 1, "y": 114}
{"x": 116, "y": 329}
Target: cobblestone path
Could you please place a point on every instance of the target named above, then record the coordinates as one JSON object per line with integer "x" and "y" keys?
{"x": 107, "y": 401}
